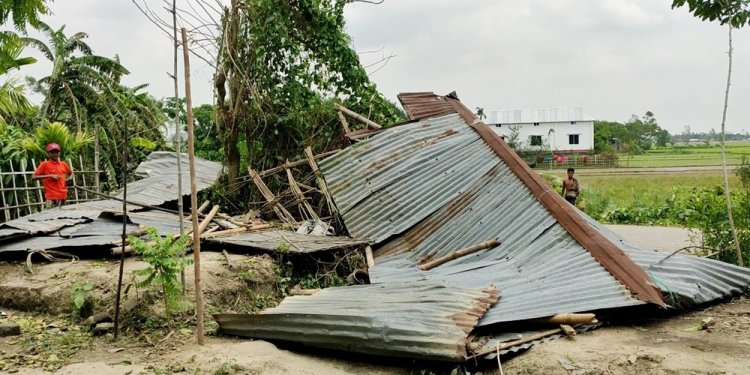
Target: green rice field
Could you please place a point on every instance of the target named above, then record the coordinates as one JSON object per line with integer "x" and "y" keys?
{"x": 687, "y": 156}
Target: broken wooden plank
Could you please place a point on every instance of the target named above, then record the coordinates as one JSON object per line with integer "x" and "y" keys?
{"x": 280, "y": 211}
{"x": 299, "y": 197}
{"x": 321, "y": 181}
{"x": 294, "y": 163}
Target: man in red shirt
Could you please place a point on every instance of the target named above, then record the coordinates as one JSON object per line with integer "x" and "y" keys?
{"x": 53, "y": 173}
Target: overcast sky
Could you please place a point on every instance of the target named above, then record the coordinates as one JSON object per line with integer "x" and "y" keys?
{"x": 614, "y": 58}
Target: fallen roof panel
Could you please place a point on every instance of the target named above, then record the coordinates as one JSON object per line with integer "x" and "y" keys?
{"x": 51, "y": 242}
{"x": 159, "y": 173}
{"x": 428, "y": 188}
{"x": 271, "y": 240}
{"x": 417, "y": 320}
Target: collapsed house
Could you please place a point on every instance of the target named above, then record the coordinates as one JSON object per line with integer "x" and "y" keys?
{"x": 474, "y": 252}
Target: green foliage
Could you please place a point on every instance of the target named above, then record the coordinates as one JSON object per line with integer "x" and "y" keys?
{"x": 283, "y": 66}
{"x": 81, "y": 293}
{"x": 71, "y": 144}
{"x": 22, "y": 12}
{"x": 736, "y": 12}
{"x": 633, "y": 137}
{"x": 166, "y": 259}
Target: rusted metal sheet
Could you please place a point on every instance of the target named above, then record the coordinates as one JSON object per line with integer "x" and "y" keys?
{"x": 415, "y": 320}
{"x": 293, "y": 242}
{"x": 159, "y": 178}
{"x": 421, "y": 194}
{"x": 421, "y": 105}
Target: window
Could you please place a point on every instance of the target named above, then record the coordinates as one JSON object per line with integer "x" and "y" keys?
{"x": 536, "y": 140}
{"x": 573, "y": 139}
{"x": 572, "y": 123}
{"x": 499, "y": 125}
{"x": 536, "y": 124}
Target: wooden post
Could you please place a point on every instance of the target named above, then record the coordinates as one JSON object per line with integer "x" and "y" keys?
{"x": 178, "y": 146}
{"x": 96, "y": 157}
{"x": 83, "y": 177}
{"x": 124, "y": 236}
{"x": 193, "y": 192}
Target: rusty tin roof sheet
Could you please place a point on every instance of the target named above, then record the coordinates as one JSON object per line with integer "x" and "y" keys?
{"x": 416, "y": 320}
{"x": 421, "y": 105}
{"x": 271, "y": 240}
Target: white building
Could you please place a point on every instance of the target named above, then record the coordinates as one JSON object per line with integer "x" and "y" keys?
{"x": 564, "y": 130}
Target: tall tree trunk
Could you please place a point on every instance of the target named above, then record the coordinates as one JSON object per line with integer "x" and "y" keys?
{"x": 226, "y": 116}
{"x": 740, "y": 261}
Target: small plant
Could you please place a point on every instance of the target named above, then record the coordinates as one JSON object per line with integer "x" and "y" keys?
{"x": 166, "y": 260}
{"x": 81, "y": 294}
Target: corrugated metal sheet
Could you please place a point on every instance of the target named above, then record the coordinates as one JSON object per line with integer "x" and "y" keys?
{"x": 421, "y": 105}
{"x": 686, "y": 280}
{"x": 432, "y": 187}
{"x": 159, "y": 183}
{"x": 52, "y": 242}
{"x": 416, "y": 320}
{"x": 530, "y": 116}
{"x": 270, "y": 240}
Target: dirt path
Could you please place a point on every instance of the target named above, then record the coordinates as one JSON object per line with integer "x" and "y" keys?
{"x": 653, "y": 238}
{"x": 703, "y": 170}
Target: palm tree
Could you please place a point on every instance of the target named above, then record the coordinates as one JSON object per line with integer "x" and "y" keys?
{"x": 13, "y": 102}
{"x": 77, "y": 78}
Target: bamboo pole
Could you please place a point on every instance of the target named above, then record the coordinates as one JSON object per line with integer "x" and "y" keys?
{"x": 280, "y": 211}
{"x": 294, "y": 163}
{"x": 75, "y": 191}
{"x": 15, "y": 190}
{"x": 38, "y": 189}
{"x": 124, "y": 226}
{"x": 2, "y": 195}
{"x": 26, "y": 184}
{"x": 369, "y": 257}
{"x": 193, "y": 192}
{"x": 298, "y": 196}
{"x": 83, "y": 177}
{"x": 459, "y": 253}
{"x": 178, "y": 146}
{"x": 569, "y": 319}
{"x": 321, "y": 181}
{"x": 358, "y": 117}
{"x": 344, "y": 123}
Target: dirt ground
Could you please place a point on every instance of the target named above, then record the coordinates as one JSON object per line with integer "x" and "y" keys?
{"x": 51, "y": 342}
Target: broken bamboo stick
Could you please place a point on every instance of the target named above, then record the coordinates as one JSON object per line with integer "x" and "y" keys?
{"x": 344, "y": 123}
{"x": 368, "y": 256}
{"x": 294, "y": 163}
{"x": 302, "y": 203}
{"x": 358, "y": 117}
{"x": 321, "y": 181}
{"x": 459, "y": 253}
{"x": 569, "y": 319}
{"x": 280, "y": 211}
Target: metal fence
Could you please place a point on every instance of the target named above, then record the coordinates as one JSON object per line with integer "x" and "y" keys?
{"x": 575, "y": 161}
{"x": 20, "y": 195}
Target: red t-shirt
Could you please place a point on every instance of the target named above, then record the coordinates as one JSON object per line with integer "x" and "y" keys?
{"x": 54, "y": 189}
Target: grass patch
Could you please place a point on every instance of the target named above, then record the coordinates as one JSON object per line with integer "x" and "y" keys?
{"x": 687, "y": 156}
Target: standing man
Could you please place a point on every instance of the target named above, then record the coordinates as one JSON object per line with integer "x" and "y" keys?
{"x": 570, "y": 187}
{"x": 54, "y": 173}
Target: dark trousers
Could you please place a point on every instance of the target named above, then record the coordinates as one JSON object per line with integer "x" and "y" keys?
{"x": 571, "y": 199}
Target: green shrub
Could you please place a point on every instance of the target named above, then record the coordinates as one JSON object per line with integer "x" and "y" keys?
{"x": 166, "y": 259}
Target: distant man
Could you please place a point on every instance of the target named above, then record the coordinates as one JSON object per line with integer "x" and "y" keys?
{"x": 54, "y": 173}
{"x": 570, "y": 188}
